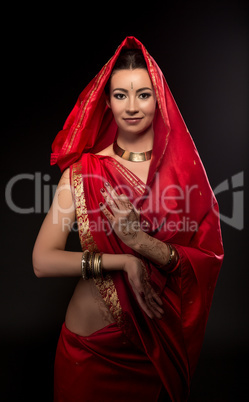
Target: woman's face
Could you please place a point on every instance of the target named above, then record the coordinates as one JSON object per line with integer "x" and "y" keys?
{"x": 132, "y": 100}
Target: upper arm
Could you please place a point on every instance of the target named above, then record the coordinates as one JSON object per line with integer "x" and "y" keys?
{"x": 59, "y": 220}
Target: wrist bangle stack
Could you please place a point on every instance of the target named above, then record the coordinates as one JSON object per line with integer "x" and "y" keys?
{"x": 91, "y": 265}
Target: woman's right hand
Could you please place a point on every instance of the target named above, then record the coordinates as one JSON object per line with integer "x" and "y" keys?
{"x": 146, "y": 296}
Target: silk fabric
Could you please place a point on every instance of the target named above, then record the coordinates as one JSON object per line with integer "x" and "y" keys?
{"x": 176, "y": 204}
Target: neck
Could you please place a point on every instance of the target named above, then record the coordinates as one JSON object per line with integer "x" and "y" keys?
{"x": 131, "y": 142}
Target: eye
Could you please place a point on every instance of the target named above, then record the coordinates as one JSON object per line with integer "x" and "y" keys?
{"x": 119, "y": 96}
{"x": 144, "y": 95}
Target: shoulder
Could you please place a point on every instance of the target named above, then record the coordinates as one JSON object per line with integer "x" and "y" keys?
{"x": 63, "y": 196}
{"x": 65, "y": 177}
{"x": 64, "y": 185}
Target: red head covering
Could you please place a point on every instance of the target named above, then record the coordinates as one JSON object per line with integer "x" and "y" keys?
{"x": 90, "y": 127}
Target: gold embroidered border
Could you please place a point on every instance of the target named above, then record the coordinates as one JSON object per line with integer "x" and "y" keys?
{"x": 86, "y": 239}
{"x": 106, "y": 286}
{"x": 109, "y": 294}
{"x": 130, "y": 177}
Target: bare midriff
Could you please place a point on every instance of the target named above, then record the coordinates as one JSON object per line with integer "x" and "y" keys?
{"x": 87, "y": 312}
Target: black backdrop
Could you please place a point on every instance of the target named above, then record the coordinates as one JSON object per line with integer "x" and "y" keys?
{"x": 49, "y": 54}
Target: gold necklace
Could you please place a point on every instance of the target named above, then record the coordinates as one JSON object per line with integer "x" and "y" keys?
{"x": 132, "y": 156}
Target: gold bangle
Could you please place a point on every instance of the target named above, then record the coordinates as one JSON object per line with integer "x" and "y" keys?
{"x": 91, "y": 265}
{"x": 171, "y": 254}
{"x": 100, "y": 266}
{"x": 84, "y": 262}
{"x": 173, "y": 258}
{"x": 97, "y": 268}
{"x": 88, "y": 265}
{"x": 95, "y": 265}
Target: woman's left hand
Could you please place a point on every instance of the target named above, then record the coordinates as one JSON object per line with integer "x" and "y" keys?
{"x": 146, "y": 296}
{"x": 123, "y": 218}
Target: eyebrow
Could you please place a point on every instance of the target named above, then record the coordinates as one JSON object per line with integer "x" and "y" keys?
{"x": 126, "y": 91}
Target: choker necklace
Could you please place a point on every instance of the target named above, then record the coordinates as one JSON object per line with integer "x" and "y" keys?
{"x": 132, "y": 156}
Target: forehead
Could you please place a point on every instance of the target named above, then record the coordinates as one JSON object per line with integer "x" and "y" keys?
{"x": 123, "y": 78}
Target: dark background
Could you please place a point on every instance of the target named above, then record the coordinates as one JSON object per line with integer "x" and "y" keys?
{"x": 49, "y": 54}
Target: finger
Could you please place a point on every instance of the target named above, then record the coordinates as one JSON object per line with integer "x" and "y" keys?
{"x": 125, "y": 202}
{"x": 109, "y": 200}
{"x": 156, "y": 297}
{"x": 106, "y": 212}
{"x": 121, "y": 200}
{"x": 158, "y": 311}
{"x": 151, "y": 306}
{"x": 140, "y": 295}
{"x": 151, "y": 302}
{"x": 112, "y": 192}
{"x": 144, "y": 306}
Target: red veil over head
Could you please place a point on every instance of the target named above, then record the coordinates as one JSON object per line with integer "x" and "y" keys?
{"x": 90, "y": 125}
{"x": 179, "y": 207}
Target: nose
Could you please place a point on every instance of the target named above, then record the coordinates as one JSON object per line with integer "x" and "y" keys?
{"x": 131, "y": 108}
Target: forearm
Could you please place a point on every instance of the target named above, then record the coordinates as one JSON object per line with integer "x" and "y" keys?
{"x": 153, "y": 249}
{"x": 61, "y": 263}
{"x": 57, "y": 263}
{"x": 112, "y": 262}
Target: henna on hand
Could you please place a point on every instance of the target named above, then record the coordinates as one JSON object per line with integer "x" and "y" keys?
{"x": 146, "y": 296}
{"x": 124, "y": 218}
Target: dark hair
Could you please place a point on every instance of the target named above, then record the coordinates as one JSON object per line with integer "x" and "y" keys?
{"x": 129, "y": 59}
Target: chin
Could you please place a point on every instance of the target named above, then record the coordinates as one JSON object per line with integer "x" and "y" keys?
{"x": 135, "y": 130}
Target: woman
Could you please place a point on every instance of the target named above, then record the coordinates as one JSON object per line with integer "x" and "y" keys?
{"x": 150, "y": 235}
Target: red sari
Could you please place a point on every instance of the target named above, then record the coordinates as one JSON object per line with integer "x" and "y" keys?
{"x": 177, "y": 206}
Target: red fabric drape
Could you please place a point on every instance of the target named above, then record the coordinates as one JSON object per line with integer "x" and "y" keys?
{"x": 121, "y": 372}
{"x": 179, "y": 207}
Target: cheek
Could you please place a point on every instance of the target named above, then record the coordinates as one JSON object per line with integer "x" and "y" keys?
{"x": 150, "y": 109}
{"x": 116, "y": 108}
